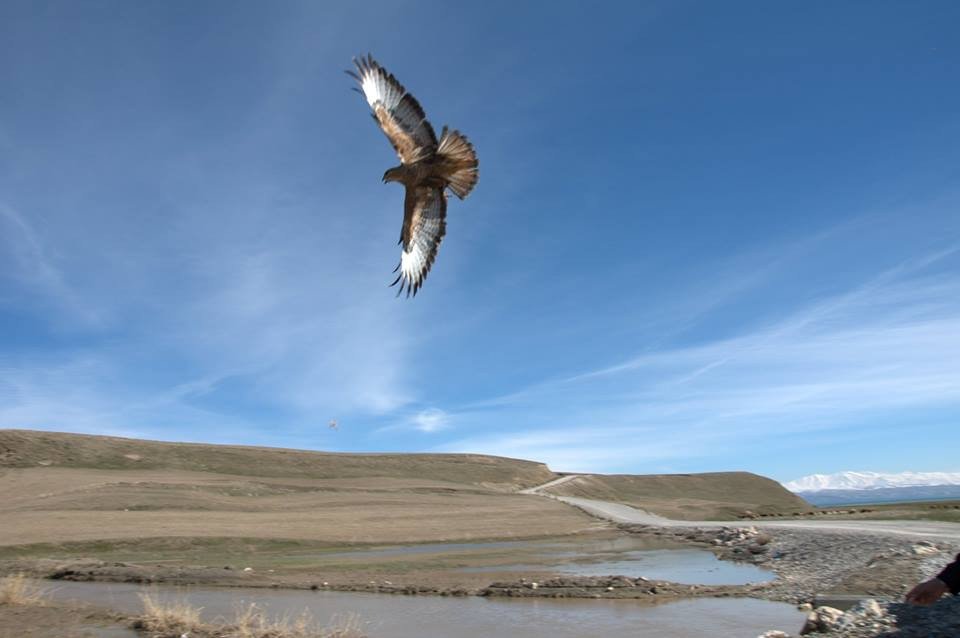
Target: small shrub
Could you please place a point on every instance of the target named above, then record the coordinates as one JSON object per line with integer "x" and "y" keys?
{"x": 169, "y": 617}
{"x": 20, "y": 590}
{"x": 252, "y": 622}
{"x": 172, "y": 619}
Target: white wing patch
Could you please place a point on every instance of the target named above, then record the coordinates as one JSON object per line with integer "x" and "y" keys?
{"x": 421, "y": 236}
{"x": 397, "y": 112}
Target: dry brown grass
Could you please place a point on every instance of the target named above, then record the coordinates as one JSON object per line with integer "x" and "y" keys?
{"x": 252, "y": 622}
{"x": 20, "y": 590}
{"x": 174, "y": 618}
{"x": 706, "y": 496}
{"x": 55, "y": 505}
{"x": 26, "y": 449}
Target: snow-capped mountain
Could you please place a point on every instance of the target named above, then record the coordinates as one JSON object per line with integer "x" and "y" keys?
{"x": 850, "y": 488}
{"x": 870, "y": 480}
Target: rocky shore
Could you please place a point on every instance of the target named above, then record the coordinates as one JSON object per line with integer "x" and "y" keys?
{"x": 811, "y": 568}
{"x": 810, "y": 564}
{"x": 887, "y": 619}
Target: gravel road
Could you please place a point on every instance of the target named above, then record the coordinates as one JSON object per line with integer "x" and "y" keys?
{"x": 629, "y": 515}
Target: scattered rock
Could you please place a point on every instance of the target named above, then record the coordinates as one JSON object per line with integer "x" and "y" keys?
{"x": 871, "y": 608}
{"x": 821, "y": 620}
{"x": 887, "y": 619}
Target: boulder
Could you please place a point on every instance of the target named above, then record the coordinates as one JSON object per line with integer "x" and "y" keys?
{"x": 822, "y": 619}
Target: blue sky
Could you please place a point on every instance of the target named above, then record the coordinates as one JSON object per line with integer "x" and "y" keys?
{"x": 707, "y": 236}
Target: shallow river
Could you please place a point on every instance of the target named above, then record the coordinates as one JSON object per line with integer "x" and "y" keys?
{"x": 394, "y": 616}
{"x": 621, "y": 555}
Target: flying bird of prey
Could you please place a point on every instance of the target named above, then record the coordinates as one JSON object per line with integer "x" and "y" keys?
{"x": 427, "y": 168}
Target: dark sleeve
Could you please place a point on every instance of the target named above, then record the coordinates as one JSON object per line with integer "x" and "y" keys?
{"x": 951, "y": 576}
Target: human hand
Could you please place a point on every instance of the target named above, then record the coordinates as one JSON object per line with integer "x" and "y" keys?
{"x": 927, "y": 592}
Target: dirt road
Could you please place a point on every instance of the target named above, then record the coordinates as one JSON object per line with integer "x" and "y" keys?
{"x": 538, "y": 489}
{"x": 619, "y": 513}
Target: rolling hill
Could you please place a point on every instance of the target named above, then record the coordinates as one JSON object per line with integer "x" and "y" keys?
{"x": 711, "y": 496}
{"x": 28, "y": 448}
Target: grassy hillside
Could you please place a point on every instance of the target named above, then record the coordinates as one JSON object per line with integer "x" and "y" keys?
{"x": 77, "y": 489}
{"x": 711, "y": 496}
{"x": 24, "y": 449}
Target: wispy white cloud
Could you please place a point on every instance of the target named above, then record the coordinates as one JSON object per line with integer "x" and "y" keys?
{"x": 431, "y": 420}
{"x": 427, "y": 421}
{"x": 889, "y": 344}
{"x": 34, "y": 269}
{"x": 304, "y": 323}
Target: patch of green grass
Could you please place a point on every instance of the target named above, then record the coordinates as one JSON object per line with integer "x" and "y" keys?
{"x": 195, "y": 551}
{"x": 247, "y": 552}
{"x": 289, "y": 555}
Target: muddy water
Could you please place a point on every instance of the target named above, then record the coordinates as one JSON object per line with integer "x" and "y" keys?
{"x": 603, "y": 556}
{"x": 621, "y": 557}
{"x": 386, "y": 616}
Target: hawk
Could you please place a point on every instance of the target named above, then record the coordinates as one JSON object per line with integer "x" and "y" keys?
{"x": 428, "y": 168}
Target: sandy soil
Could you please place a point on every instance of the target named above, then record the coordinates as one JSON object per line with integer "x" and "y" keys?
{"x": 54, "y": 505}
{"x": 48, "y": 621}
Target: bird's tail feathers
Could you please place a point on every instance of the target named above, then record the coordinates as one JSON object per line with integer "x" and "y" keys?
{"x": 458, "y": 150}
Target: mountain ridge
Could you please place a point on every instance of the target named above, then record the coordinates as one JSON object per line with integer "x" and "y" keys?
{"x": 865, "y": 480}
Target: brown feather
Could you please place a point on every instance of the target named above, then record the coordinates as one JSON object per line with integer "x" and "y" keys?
{"x": 398, "y": 113}
{"x": 424, "y": 226}
{"x": 428, "y": 168}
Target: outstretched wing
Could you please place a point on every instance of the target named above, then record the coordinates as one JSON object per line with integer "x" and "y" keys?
{"x": 424, "y": 225}
{"x": 397, "y": 112}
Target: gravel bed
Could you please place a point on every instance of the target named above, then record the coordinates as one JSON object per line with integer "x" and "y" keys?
{"x": 813, "y": 567}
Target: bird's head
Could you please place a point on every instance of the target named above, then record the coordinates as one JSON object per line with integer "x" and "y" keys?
{"x": 392, "y": 175}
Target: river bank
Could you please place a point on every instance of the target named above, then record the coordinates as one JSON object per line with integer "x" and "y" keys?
{"x": 807, "y": 566}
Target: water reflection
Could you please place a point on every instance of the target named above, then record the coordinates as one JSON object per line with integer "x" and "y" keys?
{"x": 687, "y": 566}
{"x": 600, "y": 556}
{"x": 388, "y": 616}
